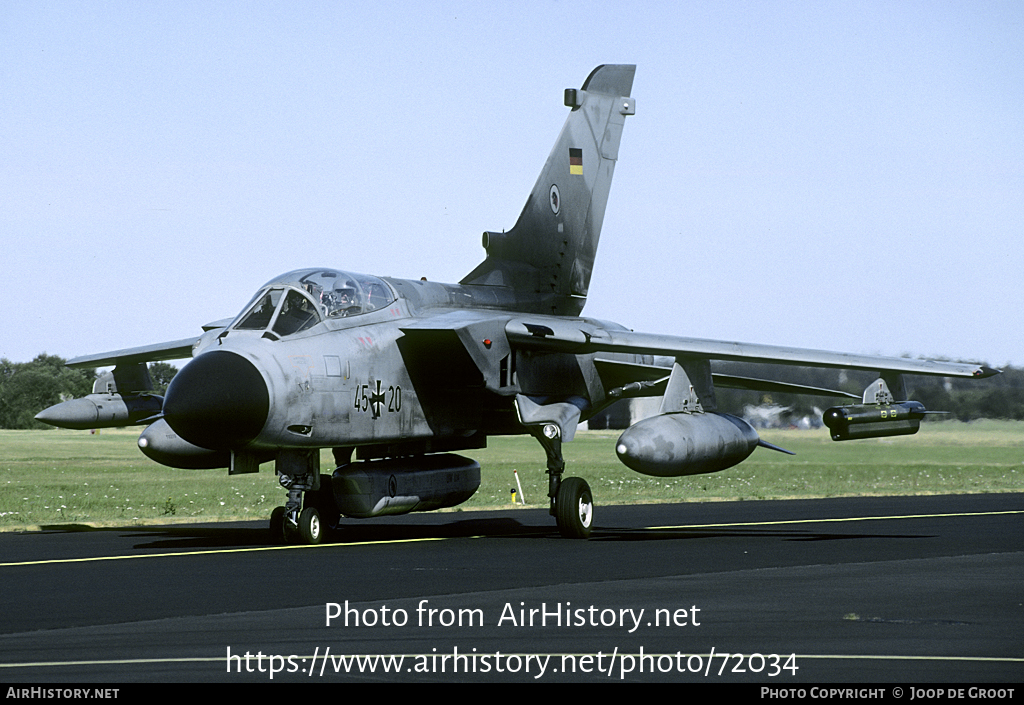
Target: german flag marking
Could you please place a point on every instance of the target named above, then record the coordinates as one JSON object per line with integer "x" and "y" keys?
{"x": 575, "y": 160}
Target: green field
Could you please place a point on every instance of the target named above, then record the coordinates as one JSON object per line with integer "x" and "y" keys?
{"x": 68, "y": 477}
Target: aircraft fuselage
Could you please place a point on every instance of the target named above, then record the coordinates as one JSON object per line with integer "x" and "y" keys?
{"x": 366, "y": 381}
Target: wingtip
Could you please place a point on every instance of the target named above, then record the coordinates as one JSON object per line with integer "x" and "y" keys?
{"x": 984, "y": 371}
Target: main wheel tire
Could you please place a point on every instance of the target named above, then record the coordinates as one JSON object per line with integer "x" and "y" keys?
{"x": 277, "y": 525}
{"x": 309, "y": 526}
{"x": 574, "y": 508}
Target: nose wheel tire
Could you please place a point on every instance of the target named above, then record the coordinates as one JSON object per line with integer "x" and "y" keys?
{"x": 309, "y": 531}
{"x": 310, "y": 528}
{"x": 574, "y": 508}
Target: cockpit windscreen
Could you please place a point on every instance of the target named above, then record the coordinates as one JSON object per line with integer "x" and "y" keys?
{"x": 327, "y": 293}
{"x": 340, "y": 293}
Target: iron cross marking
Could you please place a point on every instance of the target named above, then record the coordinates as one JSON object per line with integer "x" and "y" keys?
{"x": 376, "y": 399}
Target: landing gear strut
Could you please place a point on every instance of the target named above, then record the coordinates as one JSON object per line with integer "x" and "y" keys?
{"x": 572, "y": 503}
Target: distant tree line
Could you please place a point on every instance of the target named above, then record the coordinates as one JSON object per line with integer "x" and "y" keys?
{"x": 26, "y": 388}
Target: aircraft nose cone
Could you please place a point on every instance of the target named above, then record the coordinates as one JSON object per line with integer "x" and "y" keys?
{"x": 218, "y": 401}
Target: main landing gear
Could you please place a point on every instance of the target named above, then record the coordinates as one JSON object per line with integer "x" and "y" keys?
{"x": 572, "y": 503}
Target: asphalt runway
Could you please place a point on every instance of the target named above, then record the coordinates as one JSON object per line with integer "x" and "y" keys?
{"x": 894, "y": 590}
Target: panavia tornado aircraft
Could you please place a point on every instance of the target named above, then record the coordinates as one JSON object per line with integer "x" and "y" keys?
{"x": 404, "y": 373}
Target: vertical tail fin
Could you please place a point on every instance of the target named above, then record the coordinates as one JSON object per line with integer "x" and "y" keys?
{"x": 548, "y": 256}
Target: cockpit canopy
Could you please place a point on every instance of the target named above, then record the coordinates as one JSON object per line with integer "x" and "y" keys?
{"x": 299, "y": 300}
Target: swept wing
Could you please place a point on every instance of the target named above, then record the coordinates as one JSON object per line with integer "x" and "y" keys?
{"x": 581, "y": 337}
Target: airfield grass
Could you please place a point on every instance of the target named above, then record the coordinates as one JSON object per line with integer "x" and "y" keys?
{"x": 74, "y": 477}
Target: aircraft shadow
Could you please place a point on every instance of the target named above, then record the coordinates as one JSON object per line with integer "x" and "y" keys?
{"x": 253, "y": 535}
{"x": 504, "y": 528}
{"x": 185, "y": 537}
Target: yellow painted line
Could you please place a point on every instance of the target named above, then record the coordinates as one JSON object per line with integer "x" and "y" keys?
{"x": 213, "y": 552}
{"x": 837, "y": 521}
{"x": 310, "y": 657}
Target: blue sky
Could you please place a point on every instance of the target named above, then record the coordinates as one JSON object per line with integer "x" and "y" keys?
{"x": 834, "y": 175}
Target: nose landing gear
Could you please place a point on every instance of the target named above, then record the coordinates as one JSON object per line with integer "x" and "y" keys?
{"x": 307, "y": 517}
{"x": 310, "y": 510}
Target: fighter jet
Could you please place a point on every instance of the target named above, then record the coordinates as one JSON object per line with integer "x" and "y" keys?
{"x": 403, "y": 374}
